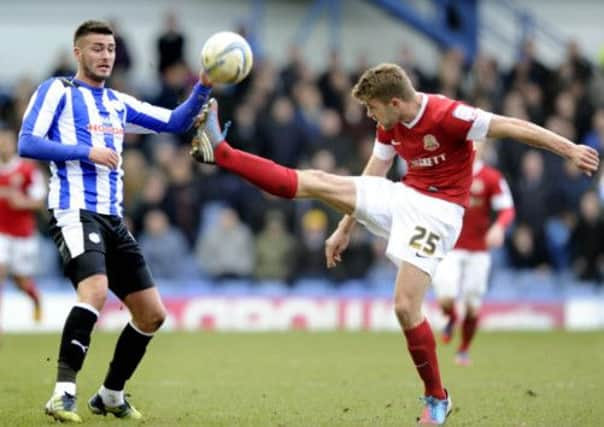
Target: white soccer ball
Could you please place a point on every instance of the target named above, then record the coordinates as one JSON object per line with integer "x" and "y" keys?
{"x": 226, "y": 57}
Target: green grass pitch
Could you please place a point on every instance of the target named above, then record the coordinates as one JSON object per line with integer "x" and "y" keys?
{"x": 320, "y": 379}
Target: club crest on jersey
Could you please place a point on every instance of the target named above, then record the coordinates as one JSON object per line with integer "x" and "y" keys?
{"x": 430, "y": 143}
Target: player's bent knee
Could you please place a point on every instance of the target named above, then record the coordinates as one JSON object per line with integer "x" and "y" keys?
{"x": 151, "y": 321}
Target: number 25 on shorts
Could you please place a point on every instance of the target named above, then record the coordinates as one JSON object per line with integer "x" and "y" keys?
{"x": 424, "y": 240}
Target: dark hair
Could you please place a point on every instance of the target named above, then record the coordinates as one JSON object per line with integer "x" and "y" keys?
{"x": 88, "y": 27}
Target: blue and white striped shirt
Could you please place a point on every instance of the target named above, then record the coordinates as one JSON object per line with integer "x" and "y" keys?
{"x": 78, "y": 117}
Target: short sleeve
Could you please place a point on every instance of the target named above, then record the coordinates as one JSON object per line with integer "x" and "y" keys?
{"x": 502, "y": 196}
{"x": 465, "y": 120}
{"x": 382, "y": 148}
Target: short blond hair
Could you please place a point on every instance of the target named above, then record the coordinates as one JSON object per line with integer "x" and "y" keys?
{"x": 384, "y": 82}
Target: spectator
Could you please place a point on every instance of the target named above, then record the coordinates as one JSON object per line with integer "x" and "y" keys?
{"x": 526, "y": 249}
{"x": 587, "y": 246}
{"x": 226, "y": 251}
{"x": 170, "y": 44}
{"x": 275, "y": 250}
{"x": 310, "y": 256}
{"x": 163, "y": 246}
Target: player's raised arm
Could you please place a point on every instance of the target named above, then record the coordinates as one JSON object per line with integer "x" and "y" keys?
{"x": 584, "y": 157}
{"x": 142, "y": 117}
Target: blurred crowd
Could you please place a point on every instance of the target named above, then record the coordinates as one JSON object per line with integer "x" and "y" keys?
{"x": 197, "y": 221}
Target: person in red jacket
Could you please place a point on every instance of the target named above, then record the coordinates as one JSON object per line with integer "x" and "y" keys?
{"x": 22, "y": 192}
{"x": 465, "y": 270}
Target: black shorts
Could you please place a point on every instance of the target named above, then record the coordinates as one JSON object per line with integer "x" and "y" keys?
{"x": 91, "y": 243}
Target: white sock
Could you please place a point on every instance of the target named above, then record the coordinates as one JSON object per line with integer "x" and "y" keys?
{"x": 65, "y": 387}
{"x": 111, "y": 397}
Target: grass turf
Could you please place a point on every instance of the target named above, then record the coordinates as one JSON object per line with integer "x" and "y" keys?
{"x": 320, "y": 379}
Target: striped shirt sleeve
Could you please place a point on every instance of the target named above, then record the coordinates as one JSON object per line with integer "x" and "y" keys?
{"x": 142, "y": 117}
{"x": 43, "y": 109}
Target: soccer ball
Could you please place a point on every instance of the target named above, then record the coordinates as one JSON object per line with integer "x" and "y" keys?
{"x": 226, "y": 57}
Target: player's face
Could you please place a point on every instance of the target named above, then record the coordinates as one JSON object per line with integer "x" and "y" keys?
{"x": 385, "y": 113}
{"x": 95, "y": 54}
{"x": 8, "y": 144}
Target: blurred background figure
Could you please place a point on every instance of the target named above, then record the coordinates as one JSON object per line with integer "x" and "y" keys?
{"x": 275, "y": 250}
{"x": 164, "y": 246}
{"x": 587, "y": 245}
{"x": 226, "y": 251}
{"x": 22, "y": 191}
{"x": 171, "y": 43}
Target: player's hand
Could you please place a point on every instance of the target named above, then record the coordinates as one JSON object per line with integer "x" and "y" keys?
{"x": 104, "y": 156}
{"x": 585, "y": 158}
{"x": 495, "y": 236}
{"x": 335, "y": 245}
{"x": 204, "y": 79}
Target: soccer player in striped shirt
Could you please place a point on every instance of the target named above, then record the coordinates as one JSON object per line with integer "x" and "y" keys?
{"x": 78, "y": 125}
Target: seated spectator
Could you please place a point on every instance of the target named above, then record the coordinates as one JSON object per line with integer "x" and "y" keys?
{"x": 310, "y": 257}
{"x": 587, "y": 246}
{"x": 163, "y": 245}
{"x": 526, "y": 249}
{"x": 226, "y": 250}
{"x": 275, "y": 249}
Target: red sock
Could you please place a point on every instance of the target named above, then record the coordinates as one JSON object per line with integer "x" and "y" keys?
{"x": 30, "y": 288}
{"x": 266, "y": 174}
{"x": 421, "y": 345}
{"x": 468, "y": 329}
{"x": 451, "y": 314}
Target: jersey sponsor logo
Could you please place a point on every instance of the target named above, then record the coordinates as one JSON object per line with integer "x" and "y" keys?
{"x": 102, "y": 128}
{"x": 94, "y": 238}
{"x": 427, "y": 162}
{"x": 430, "y": 143}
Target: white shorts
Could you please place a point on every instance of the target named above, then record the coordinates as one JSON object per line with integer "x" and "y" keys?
{"x": 19, "y": 254}
{"x": 463, "y": 273}
{"x": 420, "y": 229}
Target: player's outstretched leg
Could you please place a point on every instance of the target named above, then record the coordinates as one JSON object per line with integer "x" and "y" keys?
{"x": 209, "y": 146}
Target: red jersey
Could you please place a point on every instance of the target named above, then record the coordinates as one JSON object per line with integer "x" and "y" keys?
{"x": 437, "y": 146}
{"x": 489, "y": 192}
{"x": 25, "y": 177}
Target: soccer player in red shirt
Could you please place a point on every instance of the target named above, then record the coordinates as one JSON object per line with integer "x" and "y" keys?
{"x": 22, "y": 191}
{"x": 421, "y": 216}
{"x": 466, "y": 268}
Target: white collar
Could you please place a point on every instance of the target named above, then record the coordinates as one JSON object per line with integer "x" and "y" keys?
{"x": 420, "y": 113}
{"x": 476, "y": 166}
